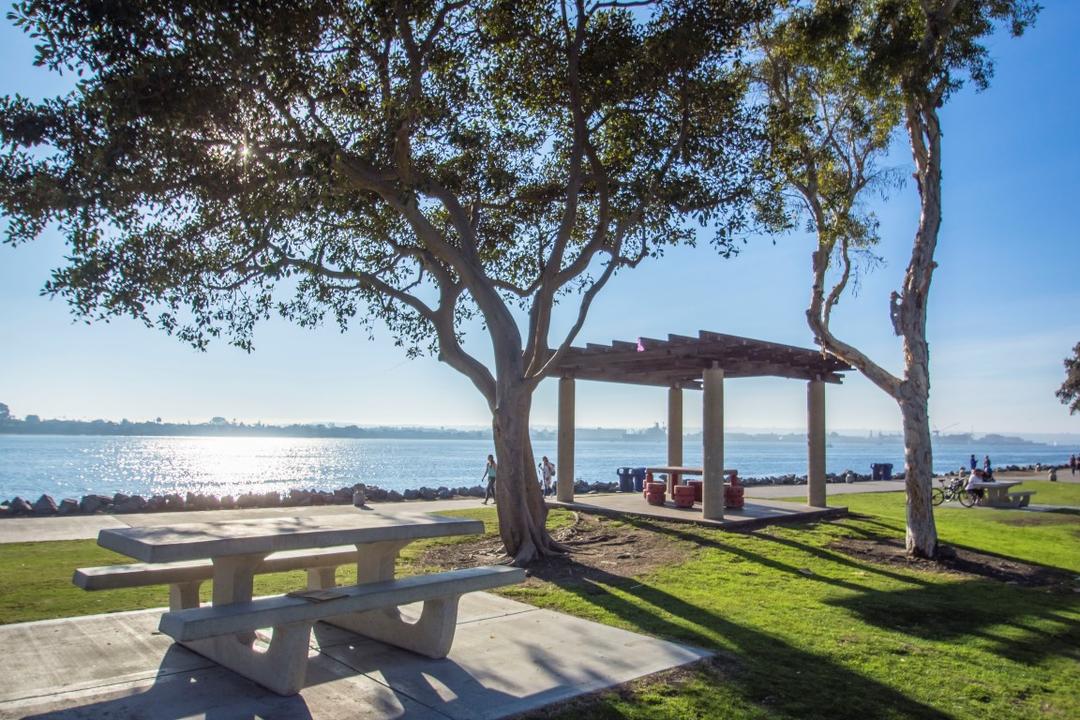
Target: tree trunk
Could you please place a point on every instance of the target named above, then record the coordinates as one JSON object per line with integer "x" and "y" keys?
{"x": 921, "y": 534}
{"x": 909, "y": 320}
{"x": 521, "y": 507}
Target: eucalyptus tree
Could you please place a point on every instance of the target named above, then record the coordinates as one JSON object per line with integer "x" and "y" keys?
{"x": 412, "y": 163}
{"x": 840, "y": 74}
{"x": 827, "y": 132}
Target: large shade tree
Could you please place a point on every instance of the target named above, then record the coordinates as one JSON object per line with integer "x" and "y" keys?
{"x": 414, "y": 163}
{"x": 840, "y": 74}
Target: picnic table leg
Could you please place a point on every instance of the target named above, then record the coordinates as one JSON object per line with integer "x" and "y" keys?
{"x": 234, "y": 579}
{"x": 282, "y": 667}
{"x": 322, "y": 578}
{"x": 184, "y": 595}
{"x": 431, "y": 634}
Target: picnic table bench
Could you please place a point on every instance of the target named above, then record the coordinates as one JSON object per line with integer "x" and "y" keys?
{"x": 232, "y": 553}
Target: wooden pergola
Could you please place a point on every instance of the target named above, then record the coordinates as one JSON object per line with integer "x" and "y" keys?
{"x": 698, "y": 363}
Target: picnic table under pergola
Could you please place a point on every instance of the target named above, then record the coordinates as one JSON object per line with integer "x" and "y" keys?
{"x": 697, "y": 363}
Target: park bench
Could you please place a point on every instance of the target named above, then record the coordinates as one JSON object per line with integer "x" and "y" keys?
{"x": 185, "y": 578}
{"x": 231, "y": 554}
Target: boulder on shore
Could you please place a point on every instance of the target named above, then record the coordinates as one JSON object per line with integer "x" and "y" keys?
{"x": 133, "y": 504}
{"x": 45, "y": 505}
{"x": 68, "y": 506}
{"x": 19, "y": 506}
{"x": 91, "y": 504}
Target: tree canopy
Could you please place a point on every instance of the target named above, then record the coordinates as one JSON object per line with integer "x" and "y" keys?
{"x": 402, "y": 161}
{"x": 418, "y": 163}
{"x": 1069, "y": 392}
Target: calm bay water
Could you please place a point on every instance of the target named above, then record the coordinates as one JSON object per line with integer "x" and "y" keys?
{"x": 72, "y": 466}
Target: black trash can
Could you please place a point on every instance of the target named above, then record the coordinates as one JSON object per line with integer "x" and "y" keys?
{"x": 626, "y": 480}
{"x": 639, "y": 479}
{"x": 881, "y": 471}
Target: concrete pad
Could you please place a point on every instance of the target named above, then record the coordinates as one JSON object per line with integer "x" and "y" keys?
{"x": 508, "y": 657}
{"x": 508, "y": 665}
{"x": 41, "y": 657}
{"x": 757, "y": 512}
{"x": 334, "y": 691}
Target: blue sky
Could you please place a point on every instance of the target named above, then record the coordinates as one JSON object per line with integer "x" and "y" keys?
{"x": 1005, "y": 305}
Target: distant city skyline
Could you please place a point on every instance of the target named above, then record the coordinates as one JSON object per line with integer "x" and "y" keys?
{"x": 33, "y": 424}
{"x": 1005, "y": 306}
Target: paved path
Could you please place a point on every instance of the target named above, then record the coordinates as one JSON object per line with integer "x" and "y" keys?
{"x": 780, "y": 491}
{"x": 507, "y": 658}
{"x": 82, "y": 527}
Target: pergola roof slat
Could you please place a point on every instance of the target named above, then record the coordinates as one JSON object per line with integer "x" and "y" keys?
{"x": 680, "y": 360}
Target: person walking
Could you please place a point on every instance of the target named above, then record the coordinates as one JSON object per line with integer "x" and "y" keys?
{"x": 547, "y": 472}
{"x": 974, "y": 462}
{"x": 1072, "y": 465}
{"x": 490, "y": 471}
{"x": 986, "y": 465}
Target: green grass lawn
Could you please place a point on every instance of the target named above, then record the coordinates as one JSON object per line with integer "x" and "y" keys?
{"x": 801, "y": 630}
{"x": 1053, "y": 493}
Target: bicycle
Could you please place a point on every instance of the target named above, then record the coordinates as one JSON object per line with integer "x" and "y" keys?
{"x": 954, "y": 490}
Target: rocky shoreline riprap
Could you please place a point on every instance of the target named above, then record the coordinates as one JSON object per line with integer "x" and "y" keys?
{"x": 359, "y": 493}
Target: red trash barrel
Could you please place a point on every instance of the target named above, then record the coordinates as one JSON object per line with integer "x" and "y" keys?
{"x": 654, "y": 493}
{"x": 683, "y": 495}
{"x": 697, "y": 485}
{"x": 733, "y": 496}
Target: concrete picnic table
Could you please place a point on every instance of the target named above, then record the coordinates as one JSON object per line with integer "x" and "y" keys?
{"x": 996, "y": 494}
{"x": 674, "y": 472}
{"x": 237, "y": 550}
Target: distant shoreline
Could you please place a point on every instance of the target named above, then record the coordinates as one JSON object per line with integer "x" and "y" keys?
{"x": 105, "y": 428}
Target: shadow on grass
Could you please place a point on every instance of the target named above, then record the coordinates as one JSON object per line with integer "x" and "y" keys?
{"x": 1016, "y": 624}
{"x": 768, "y": 671}
{"x": 703, "y": 540}
{"x": 954, "y": 611}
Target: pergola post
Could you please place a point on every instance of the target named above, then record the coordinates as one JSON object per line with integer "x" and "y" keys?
{"x": 565, "y": 468}
{"x": 712, "y": 490}
{"x": 674, "y": 426}
{"x": 815, "y": 439}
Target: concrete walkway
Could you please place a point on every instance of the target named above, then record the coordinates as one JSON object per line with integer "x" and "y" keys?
{"x": 507, "y": 658}
{"x": 781, "y": 491}
{"x": 86, "y": 527}
{"x": 82, "y": 527}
